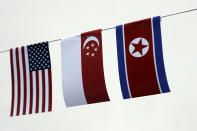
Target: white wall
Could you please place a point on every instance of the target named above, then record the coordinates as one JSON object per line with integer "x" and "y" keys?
{"x": 24, "y": 22}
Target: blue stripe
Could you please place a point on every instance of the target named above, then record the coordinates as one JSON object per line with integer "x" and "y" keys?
{"x": 121, "y": 62}
{"x": 159, "y": 55}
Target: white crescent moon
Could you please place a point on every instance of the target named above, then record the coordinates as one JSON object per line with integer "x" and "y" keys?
{"x": 90, "y": 38}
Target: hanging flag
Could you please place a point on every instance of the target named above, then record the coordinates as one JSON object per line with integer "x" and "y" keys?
{"x": 82, "y": 69}
{"x": 140, "y": 58}
{"x": 31, "y": 79}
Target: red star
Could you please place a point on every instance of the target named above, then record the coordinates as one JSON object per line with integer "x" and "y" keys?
{"x": 139, "y": 47}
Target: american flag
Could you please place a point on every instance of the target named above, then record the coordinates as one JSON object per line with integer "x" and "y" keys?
{"x": 31, "y": 79}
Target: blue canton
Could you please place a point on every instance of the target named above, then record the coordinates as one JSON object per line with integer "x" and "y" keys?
{"x": 39, "y": 57}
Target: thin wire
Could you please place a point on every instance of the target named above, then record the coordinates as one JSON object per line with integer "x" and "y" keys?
{"x": 4, "y": 51}
{"x": 182, "y": 12}
{"x": 165, "y": 16}
{"x": 54, "y": 40}
{"x": 178, "y": 13}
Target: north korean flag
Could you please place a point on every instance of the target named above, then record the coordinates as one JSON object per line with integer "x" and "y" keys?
{"x": 140, "y": 58}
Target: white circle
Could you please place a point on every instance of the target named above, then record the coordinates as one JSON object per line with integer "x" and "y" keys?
{"x": 137, "y": 41}
{"x": 95, "y": 49}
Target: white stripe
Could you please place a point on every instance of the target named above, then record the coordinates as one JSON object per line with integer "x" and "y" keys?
{"x": 40, "y": 90}
{"x": 34, "y": 92}
{"x": 154, "y": 56}
{"x": 46, "y": 90}
{"x": 21, "y": 81}
{"x": 125, "y": 61}
{"x": 15, "y": 83}
{"x": 27, "y": 80}
{"x": 71, "y": 71}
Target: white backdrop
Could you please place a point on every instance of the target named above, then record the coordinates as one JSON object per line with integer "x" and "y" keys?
{"x": 24, "y": 22}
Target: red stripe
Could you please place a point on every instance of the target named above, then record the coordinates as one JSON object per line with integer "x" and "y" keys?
{"x": 50, "y": 89}
{"x": 31, "y": 92}
{"x": 92, "y": 69}
{"x": 37, "y": 91}
{"x": 24, "y": 79}
{"x": 141, "y": 71}
{"x": 43, "y": 91}
{"x": 12, "y": 77}
{"x": 19, "y": 82}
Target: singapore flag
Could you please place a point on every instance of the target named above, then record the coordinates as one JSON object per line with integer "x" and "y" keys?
{"x": 82, "y": 69}
{"x": 140, "y": 58}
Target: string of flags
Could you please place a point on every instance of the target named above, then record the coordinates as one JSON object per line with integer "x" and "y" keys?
{"x": 140, "y": 66}
{"x": 140, "y": 62}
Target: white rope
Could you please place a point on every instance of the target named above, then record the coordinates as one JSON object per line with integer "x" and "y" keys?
{"x": 182, "y": 12}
